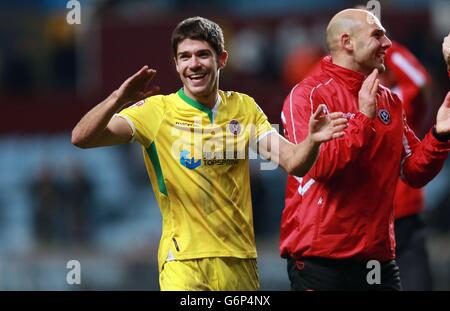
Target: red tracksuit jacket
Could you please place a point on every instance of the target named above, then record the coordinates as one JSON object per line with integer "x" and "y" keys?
{"x": 410, "y": 78}
{"x": 343, "y": 207}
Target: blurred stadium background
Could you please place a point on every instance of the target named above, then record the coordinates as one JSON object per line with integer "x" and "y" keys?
{"x": 59, "y": 203}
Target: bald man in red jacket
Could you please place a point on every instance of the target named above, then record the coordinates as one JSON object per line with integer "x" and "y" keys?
{"x": 343, "y": 218}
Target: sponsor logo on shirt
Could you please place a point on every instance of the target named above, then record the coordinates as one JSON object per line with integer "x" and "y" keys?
{"x": 186, "y": 125}
{"x": 349, "y": 115}
{"x": 209, "y": 158}
{"x": 190, "y": 163}
{"x": 384, "y": 116}
{"x": 221, "y": 161}
{"x": 222, "y": 158}
{"x": 139, "y": 103}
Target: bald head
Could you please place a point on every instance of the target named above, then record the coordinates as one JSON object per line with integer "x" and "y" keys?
{"x": 357, "y": 41}
{"x": 347, "y": 21}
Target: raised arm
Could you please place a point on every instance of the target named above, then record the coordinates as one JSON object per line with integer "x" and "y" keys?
{"x": 422, "y": 161}
{"x": 446, "y": 52}
{"x": 298, "y": 159}
{"x": 98, "y": 127}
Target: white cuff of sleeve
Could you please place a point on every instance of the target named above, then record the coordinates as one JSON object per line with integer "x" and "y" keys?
{"x": 265, "y": 134}
{"x": 130, "y": 123}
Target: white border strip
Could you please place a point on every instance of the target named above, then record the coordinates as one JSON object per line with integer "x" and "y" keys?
{"x": 130, "y": 123}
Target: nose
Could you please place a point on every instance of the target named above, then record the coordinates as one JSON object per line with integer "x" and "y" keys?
{"x": 387, "y": 43}
{"x": 194, "y": 62}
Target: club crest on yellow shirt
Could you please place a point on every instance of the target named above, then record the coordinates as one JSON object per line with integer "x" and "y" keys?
{"x": 235, "y": 127}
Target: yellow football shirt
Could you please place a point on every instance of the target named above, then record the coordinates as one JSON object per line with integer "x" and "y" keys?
{"x": 197, "y": 161}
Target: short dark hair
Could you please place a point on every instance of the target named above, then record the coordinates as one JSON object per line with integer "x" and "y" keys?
{"x": 198, "y": 28}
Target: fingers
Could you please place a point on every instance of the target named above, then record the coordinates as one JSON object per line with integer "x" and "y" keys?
{"x": 144, "y": 72}
{"x": 374, "y": 73}
{"x": 147, "y": 76}
{"x": 321, "y": 111}
{"x": 147, "y": 73}
{"x": 140, "y": 71}
{"x": 335, "y": 118}
{"x": 374, "y": 90}
{"x": 446, "y": 102}
{"x": 446, "y": 49}
{"x": 142, "y": 80}
{"x": 339, "y": 122}
{"x": 150, "y": 73}
{"x": 338, "y": 134}
{"x": 446, "y": 42}
{"x": 335, "y": 115}
{"x": 339, "y": 128}
{"x": 152, "y": 91}
{"x": 318, "y": 112}
{"x": 370, "y": 80}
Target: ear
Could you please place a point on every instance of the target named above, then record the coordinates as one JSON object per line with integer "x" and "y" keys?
{"x": 347, "y": 42}
{"x": 222, "y": 59}
{"x": 176, "y": 63}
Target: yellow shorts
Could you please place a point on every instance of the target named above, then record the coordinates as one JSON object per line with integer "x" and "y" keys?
{"x": 215, "y": 273}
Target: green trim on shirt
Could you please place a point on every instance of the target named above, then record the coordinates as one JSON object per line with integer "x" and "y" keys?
{"x": 153, "y": 154}
{"x": 195, "y": 104}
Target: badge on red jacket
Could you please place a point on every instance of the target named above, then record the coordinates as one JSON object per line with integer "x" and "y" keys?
{"x": 384, "y": 116}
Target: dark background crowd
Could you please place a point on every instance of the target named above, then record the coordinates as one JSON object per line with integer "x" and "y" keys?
{"x": 59, "y": 203}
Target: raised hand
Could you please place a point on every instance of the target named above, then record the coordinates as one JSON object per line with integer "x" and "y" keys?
{"x": 446, "y": 49}
{"x": 137, "y": 87}
{"x": 324, "y": 127}
{"x": 367, "y": 96}
{"x": 443, "y": 117}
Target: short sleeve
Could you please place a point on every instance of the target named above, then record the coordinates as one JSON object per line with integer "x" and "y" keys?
{"x": 262, "y": 124}
{"x": 144, "y": 118}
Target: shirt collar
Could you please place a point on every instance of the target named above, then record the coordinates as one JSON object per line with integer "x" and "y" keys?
{"x": 351, "y": 79}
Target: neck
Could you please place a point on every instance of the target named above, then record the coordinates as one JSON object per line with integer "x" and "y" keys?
{"x": 346, "y": 62}
{"x": 208, "y": 100}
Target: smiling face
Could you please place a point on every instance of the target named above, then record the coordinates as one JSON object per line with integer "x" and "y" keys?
{"x": 357, "y": 41}
{"x": 198, "y": 66}
{"x": 370, "y": 45}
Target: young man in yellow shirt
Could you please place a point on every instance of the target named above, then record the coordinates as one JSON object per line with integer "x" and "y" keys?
{"x": 196, "y": 150}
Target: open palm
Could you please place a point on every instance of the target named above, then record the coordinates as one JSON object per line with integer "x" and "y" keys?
{"x": 138, "y": 87}
{"x": 324, "y": 127}
{"x": 443, "y": 117}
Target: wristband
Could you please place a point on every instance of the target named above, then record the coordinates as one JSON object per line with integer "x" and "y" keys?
{"x": 440, "y": 137}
